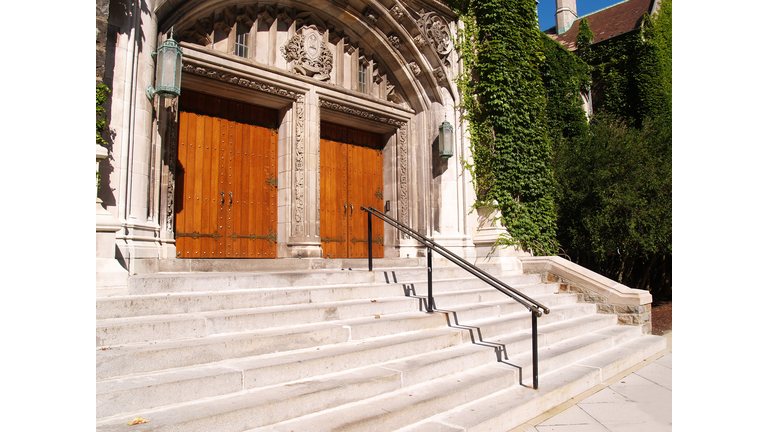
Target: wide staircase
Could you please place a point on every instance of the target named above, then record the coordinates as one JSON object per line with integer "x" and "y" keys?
{"x": 341, "y": 348}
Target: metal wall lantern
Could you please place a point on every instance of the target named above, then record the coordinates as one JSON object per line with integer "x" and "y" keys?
{"x": 446, "y": 139}
{"x": 167, "y": 70}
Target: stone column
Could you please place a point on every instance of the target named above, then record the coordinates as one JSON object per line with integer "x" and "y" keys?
{"x": 111, "y": 277}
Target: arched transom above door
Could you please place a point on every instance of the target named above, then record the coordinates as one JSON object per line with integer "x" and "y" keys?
{"x": 390, "y": 50}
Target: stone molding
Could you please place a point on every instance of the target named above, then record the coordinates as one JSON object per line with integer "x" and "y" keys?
{"x": 361, "y": 113}
{"x": 633, "y": 306}
{"x": 239, "y": 80}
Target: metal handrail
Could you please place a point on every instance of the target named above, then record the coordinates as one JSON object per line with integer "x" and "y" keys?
{"x": 532, "y": 305}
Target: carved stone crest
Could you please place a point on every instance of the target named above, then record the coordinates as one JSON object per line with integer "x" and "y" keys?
{"x": 308, "y": 53}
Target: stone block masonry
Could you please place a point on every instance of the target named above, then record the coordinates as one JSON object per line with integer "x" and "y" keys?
{"x": 631, "y": 306}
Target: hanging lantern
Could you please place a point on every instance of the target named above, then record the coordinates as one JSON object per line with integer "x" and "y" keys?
{"x": 446, "y": 140}
{"x": 167, "y": 70}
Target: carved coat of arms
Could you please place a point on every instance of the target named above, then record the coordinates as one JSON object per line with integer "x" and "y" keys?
{"x": 308, "y": 53}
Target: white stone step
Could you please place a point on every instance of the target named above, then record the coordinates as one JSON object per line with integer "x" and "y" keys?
{"x": 207, "y": 282}
{"x": 120, "y": 331}
{"x": 162, "y": 388}
{"x": 476, "y": 388}
{"x": 511, "y": 407}
{"x": 175, "y": 303}
{"x": 340, "y": 388}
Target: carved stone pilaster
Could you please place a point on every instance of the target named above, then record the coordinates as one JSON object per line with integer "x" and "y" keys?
{"x": 299, "y": 166}
{"x": 173, "y": 141}
{"x": 402, "y": 177}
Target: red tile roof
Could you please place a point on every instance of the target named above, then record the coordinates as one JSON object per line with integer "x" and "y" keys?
{"x": 606, "y": 23}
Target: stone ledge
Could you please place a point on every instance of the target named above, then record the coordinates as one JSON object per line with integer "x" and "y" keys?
{"x": 632, "y": 306}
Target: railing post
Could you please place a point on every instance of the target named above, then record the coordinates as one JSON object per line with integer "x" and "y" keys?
{"x": 370, "y": 244}
{"x": 535, "y": 342}
{"x": 430, "y": 302}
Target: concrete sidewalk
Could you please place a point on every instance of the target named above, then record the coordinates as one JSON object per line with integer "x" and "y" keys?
{"x": 638, "y": 400}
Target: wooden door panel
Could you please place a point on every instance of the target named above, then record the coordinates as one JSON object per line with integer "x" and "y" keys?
{"x": 350, "y": 177}
{"x": 226, "y": 180}
{"x": 333, "y": 199}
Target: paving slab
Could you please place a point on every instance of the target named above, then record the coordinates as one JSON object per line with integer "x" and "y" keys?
{"x": 638, "y": 401}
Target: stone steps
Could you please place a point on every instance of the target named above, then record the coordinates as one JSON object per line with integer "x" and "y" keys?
{"x": 283, "y": 350}
{"x": 350, "y": 400}
{"x": 280, "y": 367}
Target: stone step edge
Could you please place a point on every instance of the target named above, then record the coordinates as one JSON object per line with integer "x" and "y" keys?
{"x": 555, "y": 387}
{"x": 584, "y": 342}
{"x": 391, "y": 406}
{"x": 136, "y": 359}
{"x": 553, "y": 332}
{"x": 100, "y": 322}
{"x": 291, "y": 329}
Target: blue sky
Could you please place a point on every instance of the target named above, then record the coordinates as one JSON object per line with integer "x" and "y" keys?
{"x": 583, "y": 7}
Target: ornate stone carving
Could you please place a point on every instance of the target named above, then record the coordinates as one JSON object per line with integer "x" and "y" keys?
{"x": 360, "y": 113}
{"x": 397, "y": 12}
{"x": 393, "y": 95}
{"x": 420, "y": 41}
{"x": 371, "y": 15}
{"x": 308, "y": 53}
{"x": 243, "y": 82}
{"x": 402, "y": 178}
{"x": 298, "y": 171}
{"x": 394, "y": 40}
{"x": 173, "y": 115}
{"x": 414, "y": 68}
{"x": 435, "y": 29}
{"x": 439, "y": 75}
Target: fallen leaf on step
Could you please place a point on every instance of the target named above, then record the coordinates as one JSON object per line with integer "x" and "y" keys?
{"x": 137, "y": 420}
{"x": 373, "y": 301}
{"x": 376, "y": 316}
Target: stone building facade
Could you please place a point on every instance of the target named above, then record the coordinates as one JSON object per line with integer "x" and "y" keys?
{"x": 383, "y": 68}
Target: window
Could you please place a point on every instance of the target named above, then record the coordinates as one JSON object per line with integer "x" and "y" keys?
{"x": 361, "y": 78}
{"x": 241, "y": 41}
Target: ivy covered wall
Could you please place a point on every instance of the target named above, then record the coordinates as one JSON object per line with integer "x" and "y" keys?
{"x": 504, "y": 102}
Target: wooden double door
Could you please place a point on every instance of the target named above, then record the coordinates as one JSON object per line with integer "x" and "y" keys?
{"x": 350, "y": 177}
{"x": 226, "y": 179}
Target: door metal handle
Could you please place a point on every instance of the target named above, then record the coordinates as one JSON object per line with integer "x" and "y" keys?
{"x": 230, "y": 198}
{"x": 222, "y": 199}
{"x": 345, "y": 209}
{"x": 351, "y": 209}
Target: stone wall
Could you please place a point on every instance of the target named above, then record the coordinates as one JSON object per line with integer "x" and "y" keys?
{"x": 636, "y": 315}
{"x": 102, "y": 22}
{"x": 632, "y": 306}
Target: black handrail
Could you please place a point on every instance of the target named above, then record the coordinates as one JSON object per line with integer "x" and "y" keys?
{"x": 532, "y": 305}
